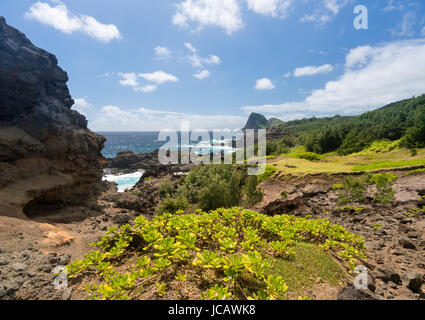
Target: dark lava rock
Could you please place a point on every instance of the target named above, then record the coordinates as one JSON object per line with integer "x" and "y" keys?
{"x": 351, "y": 293}
{"x": 121, "y": 218}
{"x": 406, "y": 243}
{"x": 388, "y": 275}
{"x": 413, "y": 280}
{"x": 127, "y": 161}
{"x": 312, "y": 190}
{"x": 279, "y": 207}
{"x": 40, "y": 135}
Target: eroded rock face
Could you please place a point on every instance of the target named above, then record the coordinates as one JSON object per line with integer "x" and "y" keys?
{"x": 128, "y": 161}
{"x": 47, "y": 154}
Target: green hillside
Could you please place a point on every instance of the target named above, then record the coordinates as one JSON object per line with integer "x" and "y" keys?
{"x": 403, "y": 120}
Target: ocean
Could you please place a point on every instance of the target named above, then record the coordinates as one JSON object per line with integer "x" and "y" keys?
{"x": 138, "y": 142}
{"x": 146, "y": 142}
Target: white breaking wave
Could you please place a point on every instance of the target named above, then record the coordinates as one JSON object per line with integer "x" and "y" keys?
{"x": 124, "y": 181}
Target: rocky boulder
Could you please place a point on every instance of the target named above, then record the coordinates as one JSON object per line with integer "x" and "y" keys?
{"x": 128, "y": 161}
{"x": 296, "y": 206}
{"x": 47, "y": 153}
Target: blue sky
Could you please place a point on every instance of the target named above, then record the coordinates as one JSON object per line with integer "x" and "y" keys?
{"x": 148, "y": 65}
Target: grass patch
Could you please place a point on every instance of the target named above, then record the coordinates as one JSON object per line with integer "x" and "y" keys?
{"x": 301, "y": 153}
{"x": 416, "y": 172}
{"x": 381, "y": 146}
{"x": 349, "y": 209}
{"x": 270, "y": 170}
{"x": 310, "y": 266}
{"x": 338, "y": 186}
{"x": 388, "y": 164}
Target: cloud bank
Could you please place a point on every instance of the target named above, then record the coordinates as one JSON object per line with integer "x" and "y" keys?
{"x": 60, "y": 18}
{"x": 373, "y": 77}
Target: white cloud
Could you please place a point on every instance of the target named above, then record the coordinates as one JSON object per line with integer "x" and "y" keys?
{"x": 212, "y": 59}
{"x": 60, "y": 18}
{"x": 128, "y": 79}
{"x": 82, "y": 106}
{"x": 287, "y": 75}
{"x": 82, "y": 103}
{"x": 131, "y": 79}
{"x": 198, "y": 61}
{"x": 274, "y": 8}
{"x": 159, "y": 77}
{"x": 325, "y": 11}
{"x": 405, "y": 28}
{"x": 224, "y": 14}
{"x": 373, "y": 77}
{"x": 335, "y": 5}
{"x": 264, "y": 84}
{"x": 162, "y": 52}
{"x": 317, "y": 18}
{"x": 312, "y": 70}
{"x": 113, "y": 118}
{"x": 107, "y": 74}
{"x": 202, "y": 74}
{"x": 147, "y": 88}
{"x": 399, "y": 5}
{"x": 359, "y": 56}
{"x": 190, "y": 47}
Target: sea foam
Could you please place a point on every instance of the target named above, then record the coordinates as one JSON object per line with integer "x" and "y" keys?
{"x": 124, "y": 181}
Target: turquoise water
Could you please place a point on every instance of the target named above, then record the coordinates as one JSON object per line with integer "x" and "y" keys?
{"x": 124, "y": 181}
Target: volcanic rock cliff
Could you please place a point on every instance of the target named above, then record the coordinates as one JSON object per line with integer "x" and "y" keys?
{"x": 48, "y": 156}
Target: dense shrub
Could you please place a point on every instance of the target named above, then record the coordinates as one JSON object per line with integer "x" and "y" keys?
{"x": 210, "y": 187}
{"x": 276, "y": 148}
{"x": 252, "y": 192}
{"x": 172, "y": 205}
{"x": 311, "y": 156}
{"x": 165, "y": 188}
{"x": 352, "y": 190}
{"x": 383, "y": 183}
{"x": 415, "y": 136}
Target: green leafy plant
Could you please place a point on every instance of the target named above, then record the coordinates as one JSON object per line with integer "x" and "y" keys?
{"x": 349, "y": 209}
{"x": 384, "y": 191}
{"x": 226, "y": 251}
{"x": 166, "y": 189}
{"x": 172, "y": 205}
{"x": 254, "y": 194}
{"x": 352, "y": 190}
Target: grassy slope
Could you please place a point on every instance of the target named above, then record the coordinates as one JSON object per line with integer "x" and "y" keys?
{"x": 332, "y": 163}
{"x": 310, "y": 267}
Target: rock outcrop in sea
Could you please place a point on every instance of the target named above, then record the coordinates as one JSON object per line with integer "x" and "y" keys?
{"x": 48, "y": 156}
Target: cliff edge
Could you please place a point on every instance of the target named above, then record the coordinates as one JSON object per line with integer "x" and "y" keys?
{"x": 48, "y": 156}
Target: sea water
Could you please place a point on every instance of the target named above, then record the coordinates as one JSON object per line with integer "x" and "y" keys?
{"x": 124, "y": 181}
{"x": 146, "y": 142}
